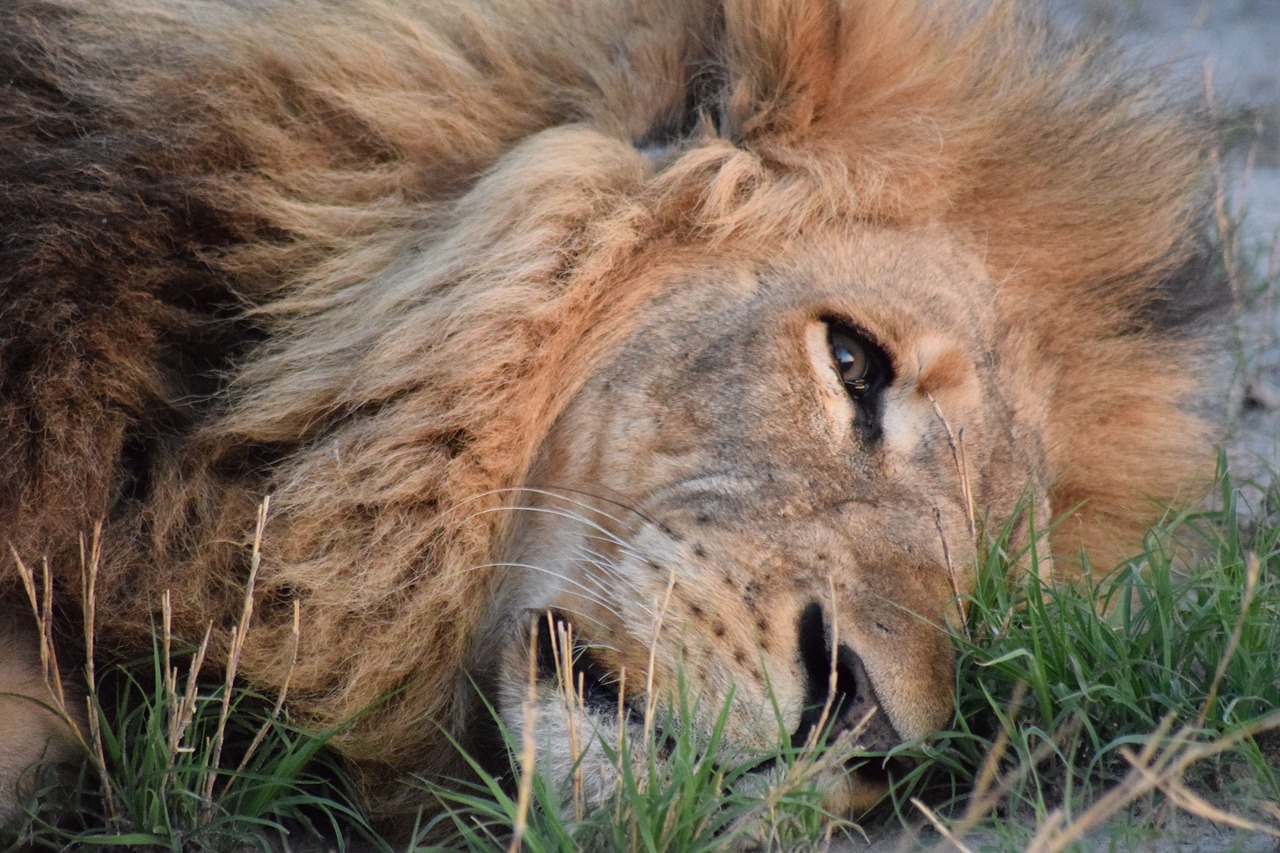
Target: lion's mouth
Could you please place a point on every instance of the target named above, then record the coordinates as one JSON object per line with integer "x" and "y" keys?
{"x": 565, "y": 660}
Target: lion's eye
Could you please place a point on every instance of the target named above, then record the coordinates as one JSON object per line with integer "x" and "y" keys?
{"x": 856, "y": 361}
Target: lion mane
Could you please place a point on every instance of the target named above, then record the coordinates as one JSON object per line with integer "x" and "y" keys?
{"x": 359, "y": 256}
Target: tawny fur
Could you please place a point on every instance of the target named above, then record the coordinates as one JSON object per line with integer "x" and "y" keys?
{"x": 335, "y": 253}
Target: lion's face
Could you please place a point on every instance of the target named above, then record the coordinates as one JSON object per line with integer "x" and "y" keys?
{"x": 760, "y": 481}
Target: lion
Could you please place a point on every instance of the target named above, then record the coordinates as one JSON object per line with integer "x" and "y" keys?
{"x": 708, "y": 334}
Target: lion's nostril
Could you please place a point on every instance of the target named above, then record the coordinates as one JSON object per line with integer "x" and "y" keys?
{"x": 838, "y": 694}
{"x": 815, "y": 653}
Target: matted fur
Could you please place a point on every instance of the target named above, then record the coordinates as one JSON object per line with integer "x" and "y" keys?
{"x": 360, "y": 255}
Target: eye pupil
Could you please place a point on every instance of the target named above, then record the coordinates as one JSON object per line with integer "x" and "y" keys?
{"x": 853, "y": 361}
{"x": 846, "y": 359}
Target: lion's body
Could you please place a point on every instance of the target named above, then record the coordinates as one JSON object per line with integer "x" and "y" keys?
{"x": 365, "y": 257}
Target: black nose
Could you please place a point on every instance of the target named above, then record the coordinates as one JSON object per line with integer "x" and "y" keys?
{"x": 854, "y": 698}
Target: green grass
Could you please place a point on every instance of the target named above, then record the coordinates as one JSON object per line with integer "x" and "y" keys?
{"x": 685, "y": 801}
{"x": 175, "y": 767}
{"x": 1061, "y": 690}
{"x": 1062, "y": 693}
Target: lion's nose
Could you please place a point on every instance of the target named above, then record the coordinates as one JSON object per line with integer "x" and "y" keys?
{"x": 839, "y": 699}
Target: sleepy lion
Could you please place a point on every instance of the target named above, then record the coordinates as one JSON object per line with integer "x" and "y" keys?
{"x": 709, "y": 332}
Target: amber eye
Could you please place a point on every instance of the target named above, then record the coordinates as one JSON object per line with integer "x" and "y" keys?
{"x": 855, "y": 361}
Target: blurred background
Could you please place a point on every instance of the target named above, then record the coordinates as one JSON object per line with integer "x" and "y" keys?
{"x": 1234, "y": 47}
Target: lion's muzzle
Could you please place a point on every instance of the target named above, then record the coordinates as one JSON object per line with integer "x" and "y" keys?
{"x": 580, "y": 709}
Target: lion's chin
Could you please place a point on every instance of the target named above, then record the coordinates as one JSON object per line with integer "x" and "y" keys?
{"x": 590, "y": 744}
{"x": 587, "y": 752}
{"x": 569, "y": 721}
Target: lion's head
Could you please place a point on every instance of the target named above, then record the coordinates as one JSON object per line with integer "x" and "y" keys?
{"x": 759, "y": 481}
{"x": 704, "y": 339}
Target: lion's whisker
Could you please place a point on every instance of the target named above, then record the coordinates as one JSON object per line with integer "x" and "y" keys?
{"x": 558, "y": 513}
{"x": 557, "y": 495}
{"x": 587, "y": 592}
{"x": 599, "y": 562}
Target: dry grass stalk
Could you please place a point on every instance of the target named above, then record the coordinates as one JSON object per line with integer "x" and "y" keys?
{"x": 620, "y": 746}
{"x": 650, "y": 706}
{"x": 181, "y": 711}
{"x": 89, "y": 566}
{"x": 233, "y": 661}
{"x": 1152, "y": 768}
{"x": 1183, "y": 798}
{"x": 810, "y": 768}
{"x": 940, "y": 826}
{"x": 988, "y": 780}
{"x": 1224, "y": 222}
{"x": 295, "y": 635}
{"x": 812, "y": 760}
{"x": 42, "y": 610}
{"x": 573, "y": 704}
{"x": 1155, "y": 768}
{"x": 1054, "y": 835}
{"x": 965, "y": 482}
{"x": 983, "y": 802}
{"x": 90, "y": 561}
{"x": 528, "y": 746}
{"x": 51, "y": 671}
{"x": 961, "y": 460}
{"x": 956, "y": 595}
{"x": 815, "y": 733}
